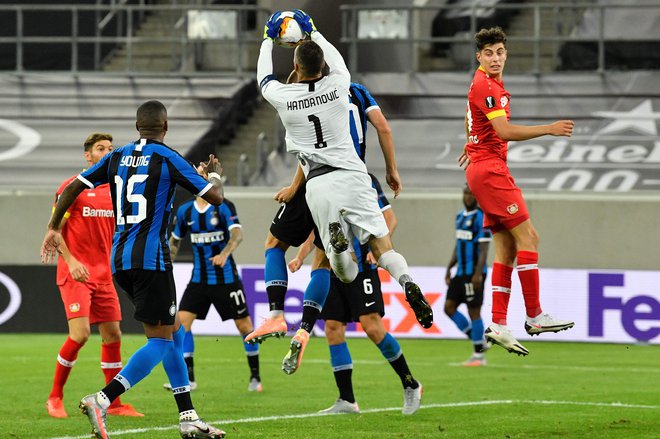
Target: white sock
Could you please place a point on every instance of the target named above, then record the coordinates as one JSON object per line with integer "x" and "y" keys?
{"x": 188, "y": 415}
{"x": 343, "y": 265}
{"x": 276, "y": 313}
{"x": 103, "y": 400}
{"x": 396, "y": 265}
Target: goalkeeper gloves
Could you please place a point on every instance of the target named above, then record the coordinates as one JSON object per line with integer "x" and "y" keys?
{"x": 272, "y": 27}
{"x": 305, "y": 21}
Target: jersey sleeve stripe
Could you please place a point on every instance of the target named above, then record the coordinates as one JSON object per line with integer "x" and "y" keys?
{"x": 497, "y": 113}
{"x": 266, "y": 80}
{"x": 373, "y": 107}
{"x": 205, "y": 190}
{"x": 233, "y": 226}
{"x": 87, "y": 182}
{"x": 175, "y": 236}
{"x": 384, "y": 208}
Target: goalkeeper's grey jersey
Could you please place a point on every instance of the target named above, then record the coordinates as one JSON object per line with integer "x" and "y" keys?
{"x": 315, "y": 114}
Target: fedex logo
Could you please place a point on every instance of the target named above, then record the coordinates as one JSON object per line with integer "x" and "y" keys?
{"x": 639, "y": 314}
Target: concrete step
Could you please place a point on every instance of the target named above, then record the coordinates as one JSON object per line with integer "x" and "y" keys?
{"x": 245, "y": 142}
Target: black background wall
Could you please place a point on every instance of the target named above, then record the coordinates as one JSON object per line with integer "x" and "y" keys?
{"x": 41, "y": 308}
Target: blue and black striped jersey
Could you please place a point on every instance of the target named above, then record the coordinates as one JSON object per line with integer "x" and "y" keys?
{"x": 143, "y": 176}
{"x": 469, "y": 233}
{"x": 209, "y": 230}
{"x": 361, "y": 103}
{"x": 362, "y": 250}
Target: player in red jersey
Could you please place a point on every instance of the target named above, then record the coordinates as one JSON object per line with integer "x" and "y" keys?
{"x": 85, "y": 282}
{"x": 488, "y": 132}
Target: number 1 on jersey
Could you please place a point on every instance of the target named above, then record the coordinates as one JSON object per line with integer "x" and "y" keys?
{"x": 319, "y": 132}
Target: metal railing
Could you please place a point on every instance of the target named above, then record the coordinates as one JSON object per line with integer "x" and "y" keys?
{"x": 565, "y": 16}
{"x": 117, "y": 25}
{"x": 117, "y": 34}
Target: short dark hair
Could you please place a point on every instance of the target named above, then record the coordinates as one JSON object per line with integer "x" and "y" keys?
{"x": 487, "y": 37}
{"x": 151, "y": 116}
{"x": 95, "y": 137}
{"x": 309, "y": 56}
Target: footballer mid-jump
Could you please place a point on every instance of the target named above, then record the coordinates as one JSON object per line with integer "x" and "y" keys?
{"x": 505, "y": 213}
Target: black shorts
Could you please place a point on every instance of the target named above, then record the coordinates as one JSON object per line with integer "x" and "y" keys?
{"x": 347, "y": 302}
{"x": 293, "y": 222}
{"x": 461, "y": 290}
{"x": 153, "y": 294}
{"x": 228, "y": 300}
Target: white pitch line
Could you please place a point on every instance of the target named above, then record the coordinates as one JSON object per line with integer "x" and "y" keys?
{"x": 577, "y": 368}
{"x": 380, "y": 410}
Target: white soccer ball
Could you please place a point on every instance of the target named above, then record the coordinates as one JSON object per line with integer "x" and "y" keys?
{"x": 290, "y": 33}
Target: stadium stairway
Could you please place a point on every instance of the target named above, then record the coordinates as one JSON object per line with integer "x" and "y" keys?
{"x": 45, "y": 118}
{"x": 151, "y": 56}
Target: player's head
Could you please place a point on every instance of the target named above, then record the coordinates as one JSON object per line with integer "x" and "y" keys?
{"x": 469, "y": 200}
{"x": 491, "y": 50}
{"x": 308, "y": 60}
{"x": 96, "y": 146}
{"x": 151, "y": 119}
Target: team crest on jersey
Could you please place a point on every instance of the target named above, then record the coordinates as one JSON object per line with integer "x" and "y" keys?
{"x": 172, "y": 309}
{"x": 503, "y": 101}
{"x": 512, "y": 208}
{"x": 214, "y": 219}
{"x": 490, "y": 102}
{"x": 74, "y": 307}
{"x": 468, "y": 223}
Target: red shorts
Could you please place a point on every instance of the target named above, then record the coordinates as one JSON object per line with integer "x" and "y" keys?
{"x": 501, "y": 200}
{"x": 99, "y": 302}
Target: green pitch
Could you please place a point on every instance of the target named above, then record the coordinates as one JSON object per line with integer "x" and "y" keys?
{"x": 562, "y": 390}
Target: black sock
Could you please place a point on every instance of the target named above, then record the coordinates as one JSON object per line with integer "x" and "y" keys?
{"x": 469, "y": 333}
{"x": 183, "y": 401}
{"x": 113, "y": 390}
{"x": 276, "y": 294}
{"x": 309, "y": 316}
{"x": 401, "y": 368}
{"x": 344, "y": 380}
{"x": 253, "y": 362}
{"x": 191, "y": 368}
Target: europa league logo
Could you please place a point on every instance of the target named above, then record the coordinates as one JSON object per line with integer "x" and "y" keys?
{"x": 14, "y": 298}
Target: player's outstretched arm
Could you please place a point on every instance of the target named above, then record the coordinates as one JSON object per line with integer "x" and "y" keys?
{"x": 53, "y": 237}
{"x": 386, "y": 141}
{"x": 452, "y": 261}
{"x": 332, "y": 57}
{"x": 286, "y": 194}
{"x": 236, "y": 238}
{"x": 303, "y": 251}
{"x": 77, "y": 269}
{"x": 174, "y": 247}
{"x": 507, "y": 131}
{"x": 212, "y": 171}
{"x": 265, "y": 61}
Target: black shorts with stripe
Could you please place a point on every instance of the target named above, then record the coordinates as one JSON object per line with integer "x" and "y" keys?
{"x": 293, "y": 222}
{"x": 228, "y": 300}
{"x": 153, "y": 294}
{"x": 347, "y": 302}
{"x": 461, "y": 290}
